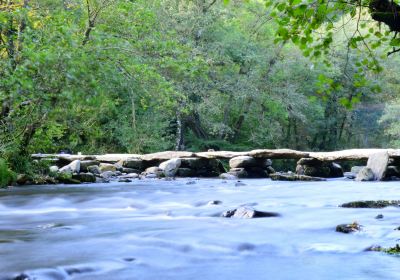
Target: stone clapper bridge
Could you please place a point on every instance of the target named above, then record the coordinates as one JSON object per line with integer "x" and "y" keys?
{"x": 382, "y": 163}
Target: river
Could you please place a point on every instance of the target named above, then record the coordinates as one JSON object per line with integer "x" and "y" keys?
{"x": 156, "y": 229}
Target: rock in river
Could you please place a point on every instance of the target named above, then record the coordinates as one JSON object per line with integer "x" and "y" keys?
{"x": 365, "y": 174}
{"x": 293, "y": 177}
{"x": 247, "y": 213}
{"x": 371, "y": 204}
{"x": 348, "y": 228}
{"x": 170, "y": 167}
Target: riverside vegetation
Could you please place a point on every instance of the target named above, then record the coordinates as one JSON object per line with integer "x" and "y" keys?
{"x": 142, "y": 76}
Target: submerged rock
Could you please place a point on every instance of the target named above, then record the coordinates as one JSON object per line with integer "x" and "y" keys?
{"x": 293, "y": 177}
{"x": 348, "y": 228}
{"x": 248, "y": 213}
{"x": 371, "y": 204}
{"x": 373, "y": 248}
{"x": 379, "y": 216}
{"x": 214, "y": 202}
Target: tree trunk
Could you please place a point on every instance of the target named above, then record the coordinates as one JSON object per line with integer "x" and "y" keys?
{"x": 179, "y": 133}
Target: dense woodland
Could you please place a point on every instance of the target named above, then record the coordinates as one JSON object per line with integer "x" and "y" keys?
{"x": 138, "y": 76}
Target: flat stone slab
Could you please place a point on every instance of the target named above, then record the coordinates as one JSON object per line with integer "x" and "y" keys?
{"x": 354, "y": 154}
{"x": 378, "y": 163}
{"x": 166, "y": 155}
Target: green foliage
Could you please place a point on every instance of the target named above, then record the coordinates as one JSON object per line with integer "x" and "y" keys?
{"x": 7, "y": 176}
{"x": 229, "y": 76}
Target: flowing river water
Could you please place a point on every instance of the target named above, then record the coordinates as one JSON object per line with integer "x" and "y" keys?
{"x": 156, "y": 229}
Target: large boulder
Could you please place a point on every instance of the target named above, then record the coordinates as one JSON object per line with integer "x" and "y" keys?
{"x": 86, "y": 163}
{"x": 242, "y": 162}
{"x": 170, "y": 167}
{"x": 133, "y": 163}
{"x": 316, "y": 168}
{"x": 107, "y": 167}
{"x": 73, "y": 167}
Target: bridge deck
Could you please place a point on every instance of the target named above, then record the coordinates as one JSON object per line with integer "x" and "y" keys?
{"x": 344, "y": 155}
